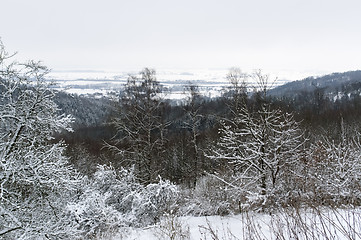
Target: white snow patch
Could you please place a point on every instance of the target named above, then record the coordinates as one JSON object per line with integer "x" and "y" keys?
{"x": 320, "y": 223}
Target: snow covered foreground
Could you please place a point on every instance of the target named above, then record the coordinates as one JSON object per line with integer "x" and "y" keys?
{"x": 197, "y": 228}
{"x": 310, "y": 224}
{"x": 194, "y": 227}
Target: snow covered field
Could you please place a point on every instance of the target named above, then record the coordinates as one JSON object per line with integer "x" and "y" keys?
{"x": 287, "y": 224}
{"x": 210, "y": 81}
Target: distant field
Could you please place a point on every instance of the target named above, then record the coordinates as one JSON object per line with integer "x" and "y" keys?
{"x": 102, "y": 83}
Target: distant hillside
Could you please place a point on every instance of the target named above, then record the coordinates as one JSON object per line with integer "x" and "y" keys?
{"x": 334, "y": 86}
{"x": 86, "y": 111}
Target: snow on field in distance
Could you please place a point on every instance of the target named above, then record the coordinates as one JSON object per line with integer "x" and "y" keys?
{"x": 90, "y": 82}
{"x": 211, "y": 82}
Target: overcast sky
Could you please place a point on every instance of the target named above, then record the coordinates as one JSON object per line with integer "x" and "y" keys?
{"x": 293, "y": 35}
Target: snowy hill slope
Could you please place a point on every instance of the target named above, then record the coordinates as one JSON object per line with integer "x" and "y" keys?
{"x": 334, "y": 86}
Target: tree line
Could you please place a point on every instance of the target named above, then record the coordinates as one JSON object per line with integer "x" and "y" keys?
{"x": 174, "y": 141}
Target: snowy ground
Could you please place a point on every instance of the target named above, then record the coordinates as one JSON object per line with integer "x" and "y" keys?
{"x": 197, "y": 228}
{"x": 310, "y": 224}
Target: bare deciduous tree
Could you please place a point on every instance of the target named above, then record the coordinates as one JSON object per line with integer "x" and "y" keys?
{"x": 260, "y": 144}
{"x": 35, "y": 178}
{"x": 140, "y": 127}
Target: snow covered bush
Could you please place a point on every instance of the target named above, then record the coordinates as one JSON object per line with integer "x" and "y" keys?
{"x": 114, "y": 199}
{"x": 93, "y": 214}
{"x": 333, "y": 170}
{"x": 153, "y": 201}
{"x": 211, "y": 196}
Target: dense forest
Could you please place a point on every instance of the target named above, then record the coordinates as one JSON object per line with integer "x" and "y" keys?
{"x": 76, "y": 167}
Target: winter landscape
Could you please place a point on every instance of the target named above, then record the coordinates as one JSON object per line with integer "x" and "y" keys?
{"x": 260, "y": 161}
{"x": 189, "y": 148}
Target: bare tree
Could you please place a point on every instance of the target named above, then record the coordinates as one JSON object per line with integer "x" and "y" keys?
{"x": 192, "y": 123}
{"x": 238, "y": 89}
{"x": 139, "y": 127}
{"x": 260, "y": 145}
{"x": 35, "y": 178}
